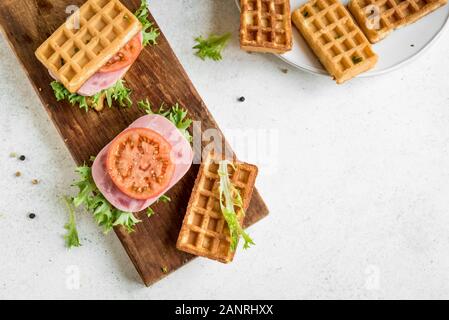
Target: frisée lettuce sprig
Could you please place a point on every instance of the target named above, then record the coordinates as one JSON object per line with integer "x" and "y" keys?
{"x": 105, "y": 214}
{"x": 164, "y": 198}
{"x": 176, "y": 114}
{"x": 61, "y": 93}
{"x": 149, "y": 31}
{"x": 230, "y": 199}
{"x": 71, "y": 237}
{"x": 91, "y": 199}
{"x": 118, "y": 93}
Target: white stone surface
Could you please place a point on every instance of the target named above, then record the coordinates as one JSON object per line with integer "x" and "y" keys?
{"x": 359, "y": 202}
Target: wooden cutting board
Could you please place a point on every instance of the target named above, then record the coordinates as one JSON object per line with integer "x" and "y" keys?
{"x": 158, "y": 76}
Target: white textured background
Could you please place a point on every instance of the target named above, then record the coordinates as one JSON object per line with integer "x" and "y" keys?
{"x": 359, "y": 202}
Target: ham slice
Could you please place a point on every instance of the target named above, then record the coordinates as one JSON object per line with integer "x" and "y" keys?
{"x": 181, "y": 156}
{"x": 100, "y": 80}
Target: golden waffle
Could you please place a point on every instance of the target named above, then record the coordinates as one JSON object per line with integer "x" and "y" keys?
{"x": 204, "y": 231}
{"x": 332, "y": 34}
{"x": 378, "y": 18}
{"x": 73, "y": 54}
{"x": 265, "y": 26}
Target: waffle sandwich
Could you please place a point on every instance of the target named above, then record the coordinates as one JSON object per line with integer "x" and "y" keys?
{"x": 378, "y": 18}
{"x": 265, "y": 26}
{"x": 204, "y": 231}
{"x": 333, "y": 36}
{"x": 94, "y": 48}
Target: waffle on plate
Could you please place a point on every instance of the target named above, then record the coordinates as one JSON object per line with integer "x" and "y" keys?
{"x": 334, "y": 37}
{"x": 265, "y": 26}
{"x": 378, "y": 18}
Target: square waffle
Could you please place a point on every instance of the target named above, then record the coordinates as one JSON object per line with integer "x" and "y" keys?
{"x": 265, "y": 26}
{"x": 332, "y": 34}
{"x": 74, "y": 54}
{"x": 204, "y": 231}
{"x": 378, "y": 18}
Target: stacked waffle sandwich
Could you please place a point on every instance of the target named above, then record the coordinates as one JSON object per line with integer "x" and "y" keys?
{"x": 93, "y": 50}
{"x": 334, "y": 37}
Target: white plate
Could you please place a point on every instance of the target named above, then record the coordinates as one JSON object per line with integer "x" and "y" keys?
{"x": 400, "y": 47}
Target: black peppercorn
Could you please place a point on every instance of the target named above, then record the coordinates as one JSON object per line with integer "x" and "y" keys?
{"x": 242, "y": 99}
{"x": 22, "y": 158}
{"x": 32, "y": 215}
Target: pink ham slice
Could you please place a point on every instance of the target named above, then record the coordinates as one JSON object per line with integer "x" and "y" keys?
{"x": 182, "y": 156}
{"x": 101, "y": 81}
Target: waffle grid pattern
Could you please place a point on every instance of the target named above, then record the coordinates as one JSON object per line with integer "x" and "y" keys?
{"x": 334, "y": 37}
{"x": 74, "y": 55}
{"x": 378, "y": 18}
{"x": 204, "y": 231}
{"x": 265, "y": 25}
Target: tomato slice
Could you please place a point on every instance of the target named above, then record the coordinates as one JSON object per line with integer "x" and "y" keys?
{"x": 139, "y": 163}
{"x": 125, "y": 57}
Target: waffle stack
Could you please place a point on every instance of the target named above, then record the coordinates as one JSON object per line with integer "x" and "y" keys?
{"x": 204, "y": 231}
{"x": 89, "y": 39}
{"x": 378, "y": 18}
{"x": 265, "y": 26}
{"x": 332, "y": 34}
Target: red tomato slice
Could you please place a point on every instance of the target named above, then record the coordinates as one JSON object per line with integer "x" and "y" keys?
{"x": 125, "y": 57}
{"x": 139, "y": 163}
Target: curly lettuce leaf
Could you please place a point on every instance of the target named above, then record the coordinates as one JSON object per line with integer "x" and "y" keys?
{"x": 71, "y": 237}
{"x": 118, "y": 93}
{"x": 61, "y": 93}
{"x": 59, "y": 90}
{"x": 230, "y": 198}
{"x": 211, "y": 47}
{"x": 150, "y": 212}
{"x": 149, "y": 31}
{"x": 176, "y": 114}
{"x": 164, "y": 198}
{"x": 104, "y": 214}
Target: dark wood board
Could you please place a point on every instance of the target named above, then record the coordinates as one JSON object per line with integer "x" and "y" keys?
{"x": 158, "y": 76}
